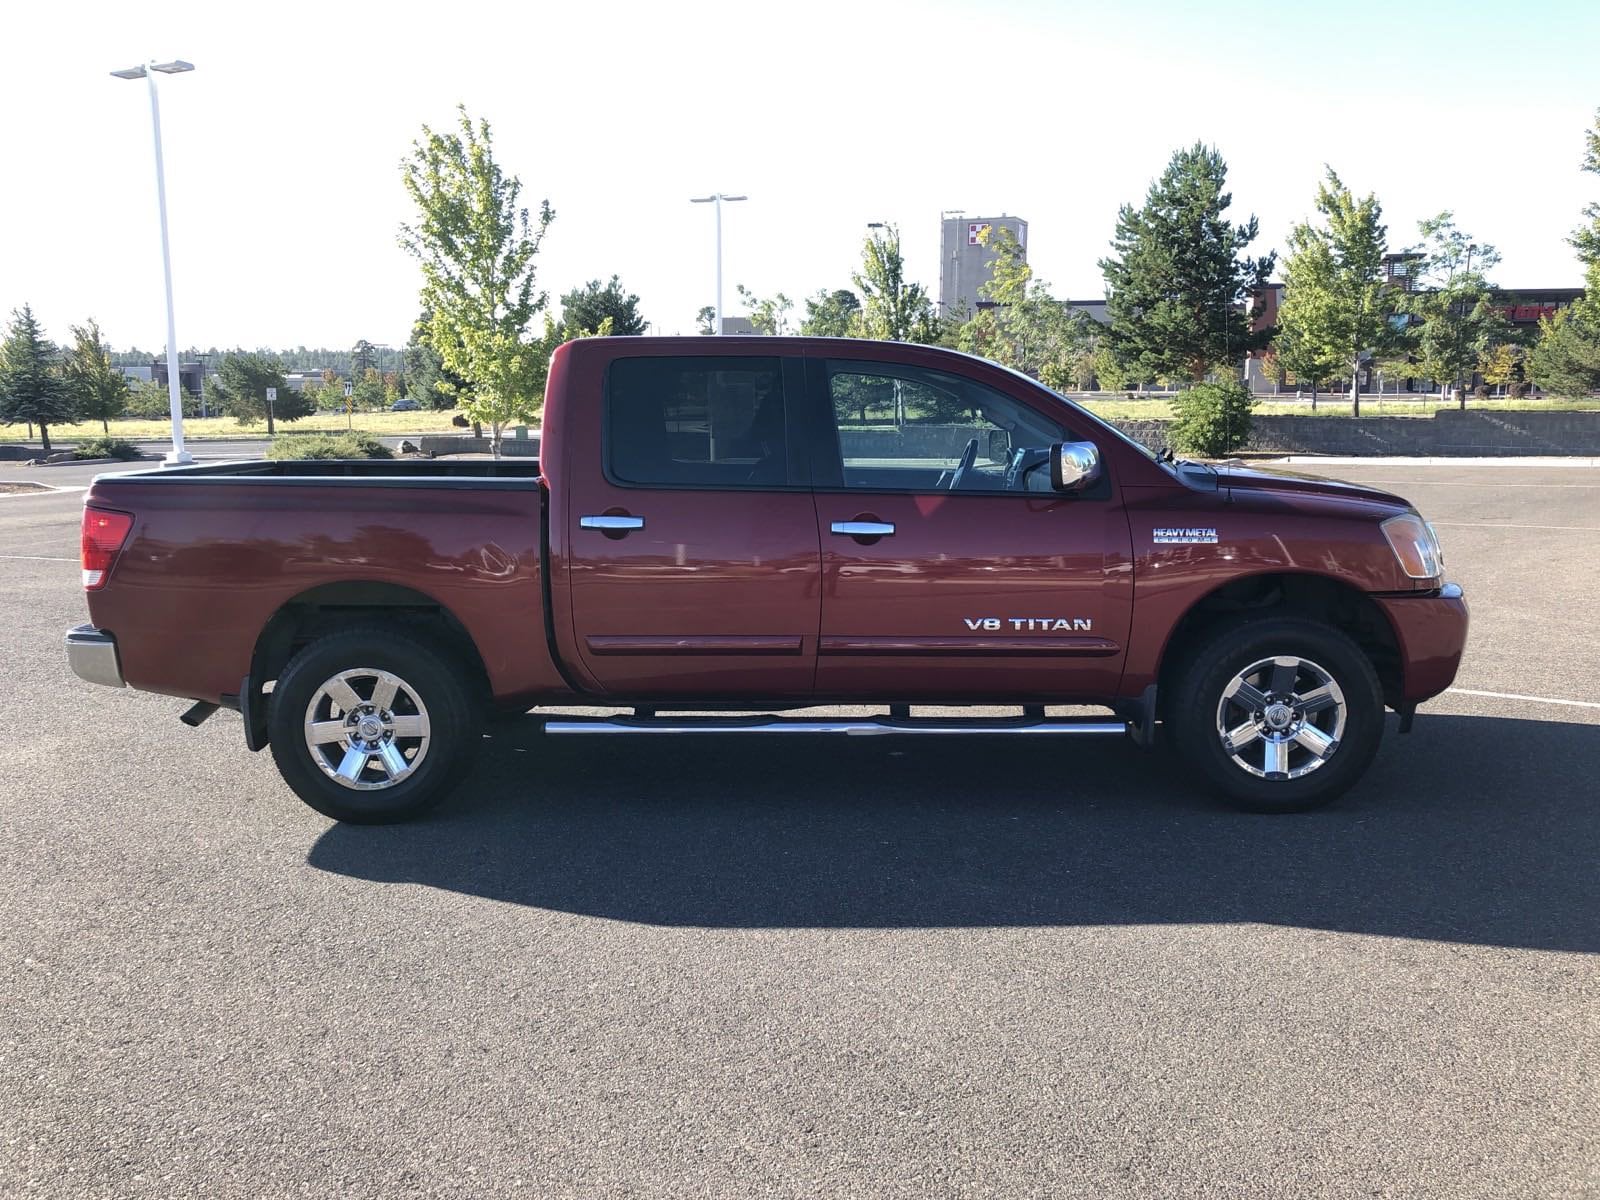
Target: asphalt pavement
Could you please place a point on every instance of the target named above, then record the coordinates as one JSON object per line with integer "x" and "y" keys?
{"x": 700, "y": 967}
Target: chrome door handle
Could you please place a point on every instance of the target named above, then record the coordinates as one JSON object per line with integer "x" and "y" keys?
{"x": 863, "y": 528}
{"x": 609, "y": 522}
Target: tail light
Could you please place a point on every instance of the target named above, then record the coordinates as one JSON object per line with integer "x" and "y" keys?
{"x": 104, "y": 531}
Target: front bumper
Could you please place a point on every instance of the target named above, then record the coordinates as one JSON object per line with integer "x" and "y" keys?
{"x": 1431, "y": 628}
{"x": 92, "y": 655}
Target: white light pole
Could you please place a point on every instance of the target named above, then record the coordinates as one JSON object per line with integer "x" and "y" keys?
{"x": 177, "y": 455}
{"x": 717, "y": 198}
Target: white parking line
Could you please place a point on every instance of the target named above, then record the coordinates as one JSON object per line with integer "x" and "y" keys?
{"x": 1472, "y": 483}
{"x": 35, "y": 558}
{"x": 1530, "y": 699}
{"x": 1494, "y": 525}
{"x": 42, "y": 489}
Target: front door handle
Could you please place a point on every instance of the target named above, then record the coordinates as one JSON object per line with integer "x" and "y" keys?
{"x": 863, "y": 528}
{"x": 610, "y": 523}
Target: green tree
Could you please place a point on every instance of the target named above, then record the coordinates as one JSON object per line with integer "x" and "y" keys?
{"x": 892, "y": 310}
{"x": 1454, "y": 323}
{"x": 1212, "y": 419}
{"x": 363, "y": 357}
{"x": 428, "y": 380}
{"x": 99, "y": 390}
{"x": 1566, "y": 359}
{"x": 705, "y": 321}
{"x": 1109, "y": 371}
{"x": 477, "y": 248}
{"x": 150, "y": 401}
{"x": 241, "y": 388}
{"x": 769, "y": 315}
{"x": 1337, "y": 308}
{"x": 31, "y": 386}
{"x": 587, "y": 307}
{"x": 1506, "y": 365}
{"x": 832, "y": 314}
{"x": 1179, "y": 288}
{"x": 1027, "y": 329}
{"x": 367, "y": 392}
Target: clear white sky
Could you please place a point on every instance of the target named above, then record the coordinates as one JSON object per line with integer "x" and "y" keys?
{"x": 283, "y": 148}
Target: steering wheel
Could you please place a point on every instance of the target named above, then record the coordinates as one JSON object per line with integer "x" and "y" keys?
{"x": 968, "y": 457}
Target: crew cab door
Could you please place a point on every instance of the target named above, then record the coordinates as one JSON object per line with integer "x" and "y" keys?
{"x": 951, "y": 569}
{"x": 691, "y": 532}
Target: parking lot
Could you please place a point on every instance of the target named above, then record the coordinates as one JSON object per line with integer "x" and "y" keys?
{"x": 940, "y": 967}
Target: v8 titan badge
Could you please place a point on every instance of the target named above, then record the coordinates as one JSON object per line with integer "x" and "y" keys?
{"x": 1183, "y": 536}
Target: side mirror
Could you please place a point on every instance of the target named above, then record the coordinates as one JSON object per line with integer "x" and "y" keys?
{"x": 999, "y": 445}
{"x": 1074, "y": 466}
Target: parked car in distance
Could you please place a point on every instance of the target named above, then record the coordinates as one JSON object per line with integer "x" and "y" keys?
{"x": 404, "y": 404}
{"x": 766, "y": 524}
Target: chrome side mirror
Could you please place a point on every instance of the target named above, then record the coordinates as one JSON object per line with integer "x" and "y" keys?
{"x": 1074, "y": 466}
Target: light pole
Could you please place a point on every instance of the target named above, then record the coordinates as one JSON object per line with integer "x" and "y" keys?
{"x": 177, "y": 455}
{"x": 717, "y": 198}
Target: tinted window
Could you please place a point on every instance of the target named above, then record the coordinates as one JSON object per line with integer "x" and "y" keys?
{"x": 696, "y": 422}
{"x": 911, "y": 430}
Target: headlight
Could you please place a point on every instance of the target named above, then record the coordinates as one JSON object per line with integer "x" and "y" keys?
{"x": 1416, "y": 546}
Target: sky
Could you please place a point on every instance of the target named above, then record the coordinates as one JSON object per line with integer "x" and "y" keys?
{"x": 283, "y": 147}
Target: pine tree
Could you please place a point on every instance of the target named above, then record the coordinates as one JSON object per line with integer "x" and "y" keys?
{"x": 1179, "y": 289}
{"x": 31, "y": 388}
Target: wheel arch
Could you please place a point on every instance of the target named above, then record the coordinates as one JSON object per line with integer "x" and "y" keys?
{"x": 327, "y": 607}
{"x": 1291, "y": 594}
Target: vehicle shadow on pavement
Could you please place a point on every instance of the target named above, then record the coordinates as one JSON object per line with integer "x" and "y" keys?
{"x": 1472, "y": 829}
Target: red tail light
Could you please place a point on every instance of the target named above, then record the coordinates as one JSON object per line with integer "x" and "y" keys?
{"x": 104, "y": 532}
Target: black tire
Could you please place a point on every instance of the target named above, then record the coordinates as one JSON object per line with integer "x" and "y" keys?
{"x": 446, "y": 697}
{"x": 1192, "y": 713}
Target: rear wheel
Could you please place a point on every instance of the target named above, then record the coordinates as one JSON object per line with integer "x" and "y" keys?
{"x": 372, "y": 725}
{"x": 1279, "y": 714}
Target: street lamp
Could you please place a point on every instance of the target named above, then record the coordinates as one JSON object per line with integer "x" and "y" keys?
{"x": 717, "y": 198}
{"x": 178, "y": 455}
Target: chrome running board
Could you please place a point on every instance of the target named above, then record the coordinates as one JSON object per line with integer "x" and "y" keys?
{"x": 853, "y": 727}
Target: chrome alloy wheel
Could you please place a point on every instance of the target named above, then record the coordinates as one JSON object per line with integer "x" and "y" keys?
{"x": 1281, "y": 718}
{"x": 367, "y": 729}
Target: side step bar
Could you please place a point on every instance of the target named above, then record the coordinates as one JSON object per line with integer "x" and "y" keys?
{"x": 854, "y": 727}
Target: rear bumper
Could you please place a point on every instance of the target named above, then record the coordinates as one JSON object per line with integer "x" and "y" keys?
{"x": 92, "y": 655}
{"x": 1432, "y": 631}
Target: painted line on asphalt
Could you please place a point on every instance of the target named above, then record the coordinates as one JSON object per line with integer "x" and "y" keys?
{"x": 1472, "y": 483}
{"x": 1495, "y": 525}
{"x": 43, "y": 489}
{"x": 1401, "y": 460}
{"x": 34, "y": 558}
{"x": 1519, "y": 696}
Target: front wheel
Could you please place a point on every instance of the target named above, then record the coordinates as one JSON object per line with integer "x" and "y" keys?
{"x": 1278, "y": 714}
{"x": 372, "y": 725}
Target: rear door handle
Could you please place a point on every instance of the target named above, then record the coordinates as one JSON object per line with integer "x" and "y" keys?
{"x": 611, "y": 522}
{"x": 863, "y": 528}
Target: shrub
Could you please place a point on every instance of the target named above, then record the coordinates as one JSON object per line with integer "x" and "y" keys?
{"x": 107, "y": 447}
{"x": 328, "y": 445}
{"x": 1212, "y": 419}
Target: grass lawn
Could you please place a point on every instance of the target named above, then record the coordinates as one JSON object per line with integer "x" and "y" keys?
{"x": 384, "y": 424}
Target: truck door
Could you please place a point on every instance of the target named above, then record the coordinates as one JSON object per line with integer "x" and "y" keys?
{"x": 950, "y": 568}
{"x": 694, "y": 566}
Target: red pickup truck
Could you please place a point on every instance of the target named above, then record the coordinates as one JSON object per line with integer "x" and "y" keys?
{"x": 760, "y": 525}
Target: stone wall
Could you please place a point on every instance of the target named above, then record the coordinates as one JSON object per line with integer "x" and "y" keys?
{"x": 1481, "y": 432}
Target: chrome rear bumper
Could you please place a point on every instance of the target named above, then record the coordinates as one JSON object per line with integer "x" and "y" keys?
{"x": 92, "y": 655}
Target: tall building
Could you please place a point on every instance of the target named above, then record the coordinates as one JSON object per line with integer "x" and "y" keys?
{"x": 964, "y": 260}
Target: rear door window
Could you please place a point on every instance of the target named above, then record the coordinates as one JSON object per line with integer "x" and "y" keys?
{"x": 697, "y": 423}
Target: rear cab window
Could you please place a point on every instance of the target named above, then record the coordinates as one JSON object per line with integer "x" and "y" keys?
{"x": 702, "y": 422}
